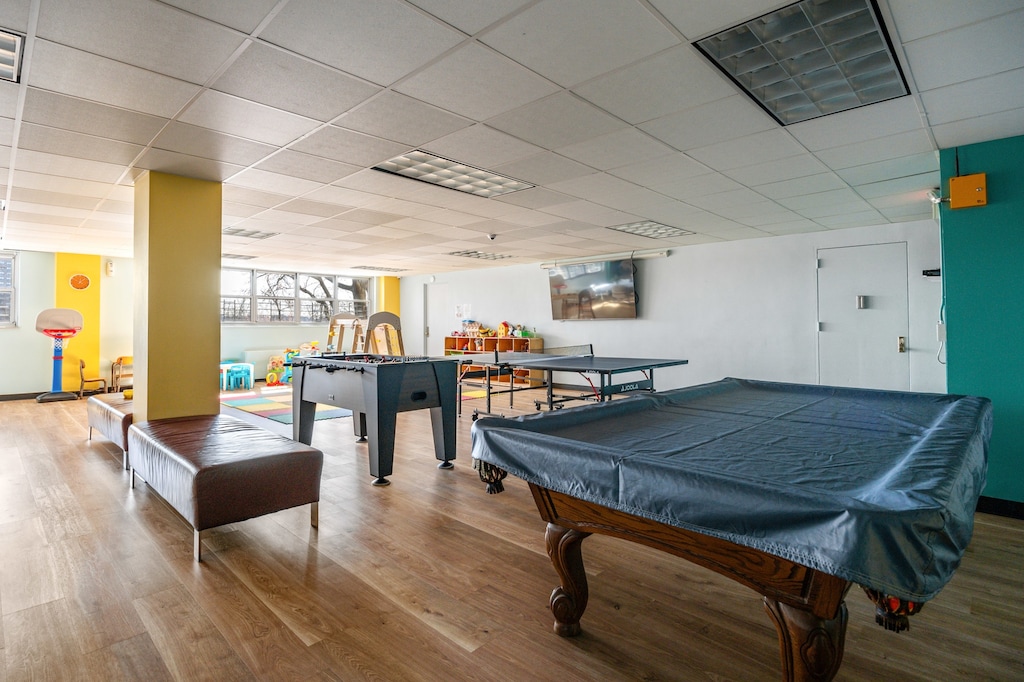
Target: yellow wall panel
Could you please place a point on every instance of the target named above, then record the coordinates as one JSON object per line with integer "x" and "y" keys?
{"x": 83, "y": 296}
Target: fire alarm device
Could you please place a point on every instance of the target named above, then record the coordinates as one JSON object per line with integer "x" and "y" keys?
{"x": 968, "y": 190}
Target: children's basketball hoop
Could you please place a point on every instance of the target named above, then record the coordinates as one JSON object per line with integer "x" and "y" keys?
{"x": 60, "y": 324}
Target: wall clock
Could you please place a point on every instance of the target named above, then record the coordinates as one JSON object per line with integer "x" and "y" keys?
{"x": 79, "y": 282}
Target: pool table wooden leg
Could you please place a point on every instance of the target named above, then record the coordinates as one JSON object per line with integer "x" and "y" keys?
{"x": 811, "y": 647}
{"x": 569, "y": 600}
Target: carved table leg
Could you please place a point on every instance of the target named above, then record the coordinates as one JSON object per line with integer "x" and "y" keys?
{"x": 569, "y": 601}
{"x": 811, "y": 647}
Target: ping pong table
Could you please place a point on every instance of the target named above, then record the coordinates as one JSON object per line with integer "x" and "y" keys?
{"x": 584, "y": 363}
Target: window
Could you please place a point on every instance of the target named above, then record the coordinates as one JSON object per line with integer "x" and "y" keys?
{"x": 8, "y": 317}
{"x": 287, "y": 297}
{"x": 236, "y": 295}
{"x": 275, "y": 297}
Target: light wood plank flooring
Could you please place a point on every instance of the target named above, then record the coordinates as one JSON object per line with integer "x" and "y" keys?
{"x": 427, "y": 579}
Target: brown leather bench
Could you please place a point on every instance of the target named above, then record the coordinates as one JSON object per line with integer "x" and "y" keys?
{"x": 111, "y": 415}
{"x": 218, "y": 469}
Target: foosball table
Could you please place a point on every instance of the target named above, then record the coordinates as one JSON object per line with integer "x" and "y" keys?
{"x": 376, "y": 388}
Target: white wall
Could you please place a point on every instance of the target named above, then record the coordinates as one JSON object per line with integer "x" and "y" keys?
{"x": 117, "y": 301}
{"x": 743, "y": 309}
{"x": 28, "y": 353}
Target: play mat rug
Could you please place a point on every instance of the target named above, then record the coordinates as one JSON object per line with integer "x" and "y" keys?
{"x": 277, "y": 406}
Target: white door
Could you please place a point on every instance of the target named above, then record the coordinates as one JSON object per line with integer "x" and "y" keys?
{"x": 863, "y": 317}
{"x": 440, "y": 321}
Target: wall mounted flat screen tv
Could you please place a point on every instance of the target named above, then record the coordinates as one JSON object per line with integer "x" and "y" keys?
{"x": 602, "y": 290}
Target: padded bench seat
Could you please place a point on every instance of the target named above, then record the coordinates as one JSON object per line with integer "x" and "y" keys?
{"x": 218, "y": 469}
{"x": 111, "y": 415}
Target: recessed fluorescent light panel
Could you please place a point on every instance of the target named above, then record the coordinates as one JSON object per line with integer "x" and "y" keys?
{"x": 236, "y": 256}
{"x": 479, "y": 254}
{"x": 810, "y": 59}
{"x": 649, "y": 228}
{"x": 426, "y": 167}
{"x": 250, "y": 234}
{"x": 374, "y": 267}
{"x": 10, "y": 55}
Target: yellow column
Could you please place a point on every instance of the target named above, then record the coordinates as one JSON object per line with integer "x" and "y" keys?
{"x": 388, "y": 297}
{"x": 78, "y": 287}
{"x": 177, "y": 296}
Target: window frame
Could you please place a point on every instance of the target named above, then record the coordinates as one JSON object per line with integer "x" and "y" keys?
{"x": 11, "y": 320}
{"x": 297, "y": 300}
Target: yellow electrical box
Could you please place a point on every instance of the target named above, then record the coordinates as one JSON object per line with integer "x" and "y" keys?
{"x": 968, "y": 190}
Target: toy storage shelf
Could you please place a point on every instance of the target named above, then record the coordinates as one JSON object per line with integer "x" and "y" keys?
{"x": 471, "y": 345}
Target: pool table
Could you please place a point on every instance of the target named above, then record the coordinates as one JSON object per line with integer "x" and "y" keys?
{"x": 796, "y": 491}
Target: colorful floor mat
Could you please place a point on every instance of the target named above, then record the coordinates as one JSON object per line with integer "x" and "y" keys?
{"x": 278, "y": 407}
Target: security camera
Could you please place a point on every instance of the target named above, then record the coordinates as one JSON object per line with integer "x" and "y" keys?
{"x": 492, "y": 237}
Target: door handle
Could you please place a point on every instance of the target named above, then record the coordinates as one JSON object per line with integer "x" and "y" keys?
{"x": 902, "y": 344}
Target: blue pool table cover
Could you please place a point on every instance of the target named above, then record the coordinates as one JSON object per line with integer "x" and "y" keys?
{"x": 876, "y": 487}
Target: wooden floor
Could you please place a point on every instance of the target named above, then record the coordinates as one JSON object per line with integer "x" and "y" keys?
{"x": 427, "y": 579}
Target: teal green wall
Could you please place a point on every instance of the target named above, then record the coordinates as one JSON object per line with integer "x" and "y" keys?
{"x": 983, "y": 275}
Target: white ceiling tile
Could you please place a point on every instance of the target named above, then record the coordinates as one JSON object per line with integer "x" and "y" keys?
{"x": 252, "y": 178}
{"x": 620, "y": 148}
{"x": 673, "y": 168}
{"x": 203, "y": 142}
{"x": 894, "y": 168}
{"x": 306, "y": 166}
{"x": 557, "y": 121}
{"x": 470, "y": 17}
{"x": 674, "y": 80}
{"x": 348, "y": 146}
{"x": 993, "y": 94}
{"x": 236, "y": 116}
{"x": 57, "y": 111}
{"x": 761, "y": 147}
{"x": 697, "y": 19}
{"x": 834, "y": 200}
{"x": 243, "y": 15}
{"x": 482, "y": 146}
{"x": 175, "y": 163}
{"x": 972, "y": 51}
{"x": 910, "y": 183}
{"x": 360, "y": 34}
{"x": 60, "y": 69}
{"x": 14, "y": 15}
{"x": 800, "y": 186}
{"x": 393, "y": 116}
{"x": 69, "y": 143}
{"x": 980, "y": 129}
{"x": 476, "y": 82}
{"x": 267, "y": 74}
{"x": 920, "y": 18}
{"x": 8, "y": 99}
{"x": 709, "y": 123}
{"x": 146, "y": 34}
{"x": 543, "y": 168}
{"x": 858, "y": 125}
{"x": 570, "y": 41}
{"x": 81, "y": 169}
{"x": 775, "y": 171}
{"x": 882, "y": 149}
{"x": 537, "y": 197}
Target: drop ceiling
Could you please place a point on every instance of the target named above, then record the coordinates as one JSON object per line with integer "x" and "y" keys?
{"x": 605, "y": 106}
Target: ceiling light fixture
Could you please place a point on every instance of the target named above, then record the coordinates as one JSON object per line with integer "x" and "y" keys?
{"x": 10, "y": 55}
{"x": 479, "y": 254}
{"x": 377, "y": 268}
{"x": 810, "y": 59}
{"x": 235, "y": 256}
{"x": 651, "y": 229}
{"x": 426, "y": 167}
{"x": 250, "y": 234}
